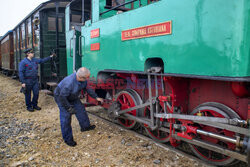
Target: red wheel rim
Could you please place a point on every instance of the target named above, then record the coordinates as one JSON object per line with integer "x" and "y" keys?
{"x": 157, "y": 134}
{"x": 126, "y": 101}
{"x": 209, "y": 155}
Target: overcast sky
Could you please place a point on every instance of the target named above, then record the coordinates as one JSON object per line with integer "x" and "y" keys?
{"x": 13, "y": 11}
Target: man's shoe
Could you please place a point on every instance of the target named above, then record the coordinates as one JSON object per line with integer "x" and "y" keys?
{"x": 37, "y": 108}
{"x": 91, "y": 127}
{"x": 30, "y": 109}
{"x": 71, "y": 143}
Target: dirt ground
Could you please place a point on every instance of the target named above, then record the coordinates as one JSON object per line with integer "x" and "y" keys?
{"x": 34, "y": 139}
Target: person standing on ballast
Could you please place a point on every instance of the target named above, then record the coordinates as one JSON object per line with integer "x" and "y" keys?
{"x": 28, "y": 74}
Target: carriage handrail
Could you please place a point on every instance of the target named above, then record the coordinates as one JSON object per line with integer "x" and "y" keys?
{"x": 70, "y": 47}
{"x": 80, "y": 44}
{"x": 118, "y": 6}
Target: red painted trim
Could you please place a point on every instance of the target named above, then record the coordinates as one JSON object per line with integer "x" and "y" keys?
{"x": 95, "y": 46}
{"x": 95, "y": 33}
{"x": 148, "y": 31}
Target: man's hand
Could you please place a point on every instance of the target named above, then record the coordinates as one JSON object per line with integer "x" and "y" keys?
{"x": 99, "y": 99}
{"x": 71, "y": 110}
{"x": 53, "y": 55}
{"x": 23, "y": 85}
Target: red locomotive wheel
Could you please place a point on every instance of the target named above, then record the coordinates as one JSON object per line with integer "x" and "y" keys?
{"x": 129, "y": 98}
{"x": 157, "y": 135}
{"x": 213, "y": 109}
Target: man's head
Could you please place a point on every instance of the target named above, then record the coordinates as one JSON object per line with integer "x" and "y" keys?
{"x": 29, "y": 53}
{"x": 82, "y": 74}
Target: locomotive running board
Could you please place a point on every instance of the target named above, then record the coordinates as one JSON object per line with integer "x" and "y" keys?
{"x": 51, "y": 84}
{"x": 214, "y": 147}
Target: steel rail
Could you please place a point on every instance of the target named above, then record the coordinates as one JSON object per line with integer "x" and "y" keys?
{"x": 166, "y": 146}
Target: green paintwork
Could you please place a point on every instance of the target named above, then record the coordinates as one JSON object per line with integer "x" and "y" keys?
{"x": 49, "y": 43}
{"x": 69, "y": 43}
{"x": 209, "y": 38}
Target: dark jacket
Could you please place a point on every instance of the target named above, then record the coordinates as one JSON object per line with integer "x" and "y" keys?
{"x": 28, "y": 69}
{"x": 69, "y": 89}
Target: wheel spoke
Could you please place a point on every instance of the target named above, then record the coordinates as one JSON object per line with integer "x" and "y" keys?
{"x": 128, "y": 99}
{"x": 157, "y": 134}
{"x": 120, "y": 101}
{"x": 124, "y": 99}
{"x": 217, "y": 110}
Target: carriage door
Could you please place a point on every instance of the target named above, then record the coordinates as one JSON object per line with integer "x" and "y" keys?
{"x": 75, "y": 20}
{"x": 73, "y": 35}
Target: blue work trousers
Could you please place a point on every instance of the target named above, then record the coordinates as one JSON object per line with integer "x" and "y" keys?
{"x": 65, "y": 118}
{"x": 34, "y": 87}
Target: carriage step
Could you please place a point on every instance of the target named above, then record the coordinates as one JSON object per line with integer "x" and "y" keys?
{"x": 46, "y": 91}
{"x": 51, "y": 84}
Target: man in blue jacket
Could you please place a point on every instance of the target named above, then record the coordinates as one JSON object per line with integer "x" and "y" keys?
{"x": 28, "y": 74}
{"x": 67, "y": 98}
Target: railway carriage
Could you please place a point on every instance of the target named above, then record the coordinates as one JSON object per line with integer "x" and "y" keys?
{"x": 43, "y": 30}
{"x": 6, "y": 52}
{"x": 178, "y": 68}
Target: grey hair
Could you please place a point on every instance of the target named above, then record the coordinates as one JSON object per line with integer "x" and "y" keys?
{"x": 82, "y": 72}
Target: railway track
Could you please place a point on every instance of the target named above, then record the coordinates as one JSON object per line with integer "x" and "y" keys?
{"x": 139, "y": 133}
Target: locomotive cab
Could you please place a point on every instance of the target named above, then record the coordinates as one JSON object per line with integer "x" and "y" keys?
{"x": 75, "y": 18}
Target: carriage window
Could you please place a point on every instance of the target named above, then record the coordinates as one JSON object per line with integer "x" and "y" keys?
{"x": 22, "y": 36}
{"x": 52, "y": 24}
{"x": 28, "y": 33}
{"x": 18, "y": 38}
{"x": 76, "y": 18}
{"x": 125, "y": 5}
{"x": 4, "y": 45}
{"x": 35, "y": 29}
{"x": 14, "y": 40}
{"x": 77, "y": 15}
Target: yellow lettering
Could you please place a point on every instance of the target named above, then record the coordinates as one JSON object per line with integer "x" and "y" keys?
{"x": 164, "y": 28}
{"x": 127, "y": 34}
{"x": 147, "y": 31}
{"x": 150, "y": 30}
{"x": 134, "y": 33}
